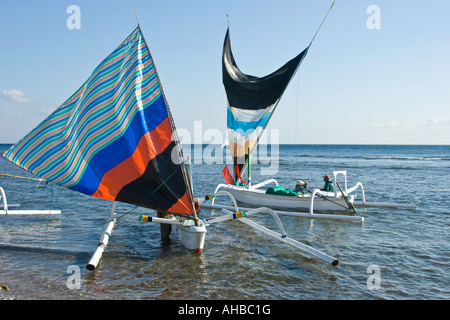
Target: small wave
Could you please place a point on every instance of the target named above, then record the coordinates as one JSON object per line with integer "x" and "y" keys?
{"x": 401, "y": 168}
{"x": 376, "y": 157}
{"x": 32, "y": 249}
{"x": 404, "y": 158}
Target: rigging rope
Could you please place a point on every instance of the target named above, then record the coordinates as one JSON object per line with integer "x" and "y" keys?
{"x": 321, "y": 23}
{"x": 19, "y": 177}
{"x": 298, "y": 77}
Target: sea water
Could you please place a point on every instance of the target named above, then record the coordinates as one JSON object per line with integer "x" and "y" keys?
{"x": 394, "y": 254}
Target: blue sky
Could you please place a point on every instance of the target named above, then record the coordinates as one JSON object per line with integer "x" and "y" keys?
{"x": 356, "y": 85}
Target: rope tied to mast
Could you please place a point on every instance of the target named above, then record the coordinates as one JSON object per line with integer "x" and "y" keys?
{"x": 320, "y": 26}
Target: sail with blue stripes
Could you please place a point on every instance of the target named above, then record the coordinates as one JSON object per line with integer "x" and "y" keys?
{"x": 251, "y": 103}
{"x": 113, "y": 138}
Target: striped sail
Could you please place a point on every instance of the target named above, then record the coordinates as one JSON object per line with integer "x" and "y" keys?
{"x": 112, "y": 139}
{"x": 251, "y": 102}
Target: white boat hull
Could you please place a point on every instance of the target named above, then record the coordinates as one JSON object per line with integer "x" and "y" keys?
{"x": 192, "y": 237}
{"x": 299, "y": 203}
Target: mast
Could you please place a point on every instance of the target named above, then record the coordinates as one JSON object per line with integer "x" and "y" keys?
{"x": 176, "y": 139}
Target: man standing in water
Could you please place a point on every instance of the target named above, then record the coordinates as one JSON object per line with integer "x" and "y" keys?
{"x": 165, "y": 228}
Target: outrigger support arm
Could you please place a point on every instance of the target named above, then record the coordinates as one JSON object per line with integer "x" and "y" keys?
{"x": 314, "y": 252}
{"x": 282, "y": 237}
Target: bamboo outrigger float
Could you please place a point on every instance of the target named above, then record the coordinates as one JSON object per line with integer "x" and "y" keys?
{"x": 5, "y": 207}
